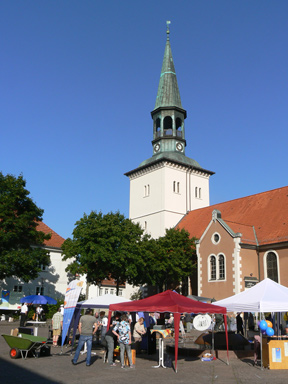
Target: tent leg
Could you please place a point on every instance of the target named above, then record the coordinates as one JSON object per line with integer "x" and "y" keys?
{"x": 261, "y": 349}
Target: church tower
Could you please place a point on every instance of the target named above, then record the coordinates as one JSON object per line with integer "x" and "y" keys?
{"x": 169, "y": 184}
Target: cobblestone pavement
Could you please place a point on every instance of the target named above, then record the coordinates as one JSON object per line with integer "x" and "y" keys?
{"x": 58, "y": 368}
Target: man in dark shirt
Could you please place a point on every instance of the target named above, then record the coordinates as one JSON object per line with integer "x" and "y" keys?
{"x": 110, "y": 338}
{"x": 87, "y": 328}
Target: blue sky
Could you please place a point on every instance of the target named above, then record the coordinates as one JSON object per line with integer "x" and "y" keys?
{"x": 79, "y": 80}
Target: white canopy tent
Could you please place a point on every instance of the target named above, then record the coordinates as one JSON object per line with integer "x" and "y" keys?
{"x": 102, "y": 301}
{"x": 266, "y": 296}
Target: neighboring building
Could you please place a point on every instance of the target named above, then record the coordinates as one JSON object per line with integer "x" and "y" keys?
{"x": 240, "y": 243}
{"x": 53, "y": 280}
{"x": 169, "y": 184}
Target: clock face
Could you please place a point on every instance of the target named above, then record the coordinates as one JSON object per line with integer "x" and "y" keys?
{"x": 156, "y": 147}
{"x": 179, "y": 147}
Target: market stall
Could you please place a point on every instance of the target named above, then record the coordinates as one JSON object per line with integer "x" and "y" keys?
{"x": 173, "y": 302}
{"x": 266, "y": 296}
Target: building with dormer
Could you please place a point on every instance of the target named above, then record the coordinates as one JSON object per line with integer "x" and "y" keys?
{"x": 241, "y": 242}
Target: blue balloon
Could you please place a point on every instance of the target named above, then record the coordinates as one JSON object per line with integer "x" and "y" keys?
{"x": 270, "y": 331}
{"x": 263, "y": 325}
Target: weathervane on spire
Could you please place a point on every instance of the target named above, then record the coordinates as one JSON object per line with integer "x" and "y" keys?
{"x": 168, "y": 28}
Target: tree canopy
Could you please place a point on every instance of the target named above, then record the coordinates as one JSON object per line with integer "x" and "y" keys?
{"x": 170, "y": 259}
{"x": 105, "y": 247}
{"x": 113, "y": 247}
{"x": 21, "y": 254}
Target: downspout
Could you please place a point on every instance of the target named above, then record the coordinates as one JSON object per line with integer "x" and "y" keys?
{"x": 257, "y": 251}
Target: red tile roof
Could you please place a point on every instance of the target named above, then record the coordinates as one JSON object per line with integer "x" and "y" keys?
{"x": 266, "y": 211}
{"x": 56, "y": 240}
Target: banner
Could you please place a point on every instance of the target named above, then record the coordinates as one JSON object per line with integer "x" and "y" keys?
{"x": 71, "y": 298}
{"x": 5, "y": 297}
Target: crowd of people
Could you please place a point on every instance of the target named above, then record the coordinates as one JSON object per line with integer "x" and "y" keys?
{"x": 118, "y": 333}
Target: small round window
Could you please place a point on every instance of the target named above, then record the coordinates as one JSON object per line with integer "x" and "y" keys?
{"x": 215, "y": 238}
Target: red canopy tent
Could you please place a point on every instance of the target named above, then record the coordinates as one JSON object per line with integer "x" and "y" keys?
{"x": 170, "y": 301}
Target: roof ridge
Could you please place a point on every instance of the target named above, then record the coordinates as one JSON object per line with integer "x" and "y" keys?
{"x": 244, "y": 197}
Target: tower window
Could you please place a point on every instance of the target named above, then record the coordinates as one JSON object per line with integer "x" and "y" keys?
{"x": 168, "y": 126}
{"x": 146, "y": 190}
{"x": 158, "y": 127}
{"x": 176, "y": 187}
{"x": 178, "y": 127}
{"x": 198, "y": 193}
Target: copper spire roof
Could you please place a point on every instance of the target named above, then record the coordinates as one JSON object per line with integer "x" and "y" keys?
{"x": 168, "y": 92}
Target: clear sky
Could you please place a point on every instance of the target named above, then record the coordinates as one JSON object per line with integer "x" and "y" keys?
{"x": 78, "y": 80}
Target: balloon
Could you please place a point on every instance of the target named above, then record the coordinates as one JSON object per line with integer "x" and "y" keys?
{"x": 263, "y": 325}
{"x": 269, "y": 331}
{"x": 269, "y": 324}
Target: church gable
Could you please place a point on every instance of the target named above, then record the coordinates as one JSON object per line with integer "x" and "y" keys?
{"x": 216, "y": 259}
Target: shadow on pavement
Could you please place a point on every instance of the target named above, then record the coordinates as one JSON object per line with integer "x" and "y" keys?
{"x": 12, "y": 373}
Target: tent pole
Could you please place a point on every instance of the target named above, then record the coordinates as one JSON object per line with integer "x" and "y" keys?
{"x": 261, "y": 344}
{"x": 226, "y": 333}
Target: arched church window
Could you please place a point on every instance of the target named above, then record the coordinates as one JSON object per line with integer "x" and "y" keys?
{"x": 174, "y": 186}
{"x": 196, "y": 192}
{"x": 178, "y": 187}
{"x": 158, "y": 127}
{"x": 168, "y": 126}
{"x": 272, "y": 266}
{"x": 212, "y": 268}
{"x": 178, "y": 127}
{"x": 221, "y": 264}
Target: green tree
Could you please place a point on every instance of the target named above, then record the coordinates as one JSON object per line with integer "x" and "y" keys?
{"x": 105, "y": 247}
{"x": 21, "y": 254}
{"x": 169, "y": 259}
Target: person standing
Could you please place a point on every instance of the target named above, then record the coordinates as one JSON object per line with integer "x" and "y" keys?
{"x": 124, "y": 339}
{"x": 104, "y": 323}
{"x": 57, "y": 323}
{"x": 23, "y": 314}
{"x": 138, "y": 332}
{"x": 39, "y": 311}
{"x": 87, "y": 328}
{"x": 239, "y": 323}
{"x": 110, "y": 339}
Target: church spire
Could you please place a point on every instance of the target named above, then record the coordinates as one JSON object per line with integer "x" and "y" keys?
{"x": 168, "y": 115}
{"x": 168, "y": 92}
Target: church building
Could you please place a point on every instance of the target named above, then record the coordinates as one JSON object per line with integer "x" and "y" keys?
{"x": 169, "y": 184}
{"x": 240, "y": 242}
